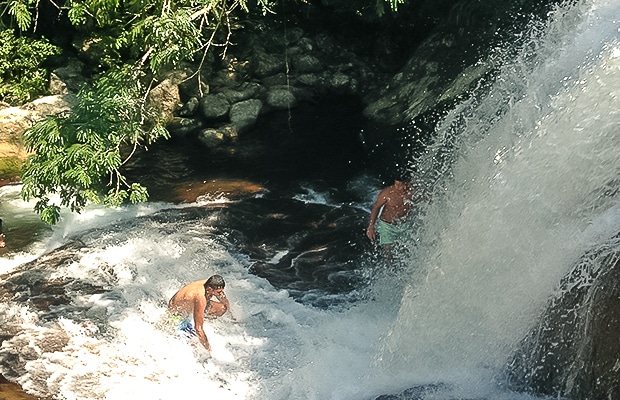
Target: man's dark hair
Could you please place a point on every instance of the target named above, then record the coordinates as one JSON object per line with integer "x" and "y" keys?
{"x": 403, "y": 176}
{"x": 215, "y": 282}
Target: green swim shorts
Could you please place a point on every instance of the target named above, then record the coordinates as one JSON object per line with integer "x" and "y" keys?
{"x": 388, "y": 233}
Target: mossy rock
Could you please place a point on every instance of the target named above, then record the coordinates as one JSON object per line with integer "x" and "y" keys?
{"x": 10, "y": 168}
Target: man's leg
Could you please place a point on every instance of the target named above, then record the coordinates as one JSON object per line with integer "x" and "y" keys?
{"x": 387, "y": 254}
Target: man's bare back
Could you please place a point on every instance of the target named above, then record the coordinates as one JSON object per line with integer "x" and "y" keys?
{"x": 199, "y": 299}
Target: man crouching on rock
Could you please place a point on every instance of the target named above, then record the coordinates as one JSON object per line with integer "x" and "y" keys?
{"x": 201, "y": 299}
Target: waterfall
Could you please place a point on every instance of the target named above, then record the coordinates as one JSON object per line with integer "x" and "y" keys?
{"x": 525, "y": 179}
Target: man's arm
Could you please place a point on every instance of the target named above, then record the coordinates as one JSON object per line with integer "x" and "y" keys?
{"x": 374, "y": 214}
{"x": 224, "y": 300}
{"x": 199, "y": 319}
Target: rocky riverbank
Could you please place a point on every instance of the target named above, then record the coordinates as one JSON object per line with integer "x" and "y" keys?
{"x": 416, "y": 63}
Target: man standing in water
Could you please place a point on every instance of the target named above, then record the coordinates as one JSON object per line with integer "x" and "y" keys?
{"x": 392, "y": 205}
{"x": 200, "y": 299}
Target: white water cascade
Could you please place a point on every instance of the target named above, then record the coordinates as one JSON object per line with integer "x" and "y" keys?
{"x": 532, "y": 185}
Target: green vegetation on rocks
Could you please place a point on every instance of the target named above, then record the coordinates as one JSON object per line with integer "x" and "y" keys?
{"x": 10, "y": 168}
{"x": 21, "y": 77}
{"x": 79, "y": 155}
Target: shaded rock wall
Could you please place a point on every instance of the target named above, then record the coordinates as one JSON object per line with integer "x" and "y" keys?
{"x": 453, "y": 59}
{"x": 400, "y": 65}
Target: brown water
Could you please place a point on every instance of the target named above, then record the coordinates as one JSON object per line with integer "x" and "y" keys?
{"x": 12, "y": 391}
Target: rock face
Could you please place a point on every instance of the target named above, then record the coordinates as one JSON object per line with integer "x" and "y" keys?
{"x": 267, "y": 71}
{"x": 260, "y": 75}
{"x": 574, "y": 352}
{"x": 14, "y": 121}
{"x": 448, "y": 64}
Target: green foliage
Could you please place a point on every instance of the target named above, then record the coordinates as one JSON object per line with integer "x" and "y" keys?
{"x": 21, "y": 78}
{"x": 171, "y": 39}
{"x": 393, "y": 5}
{"x": 19, "y": 12}
{"x": 79, "y": 155}
{"x": 160, "y": 33}
{"x": 10, "y": 167}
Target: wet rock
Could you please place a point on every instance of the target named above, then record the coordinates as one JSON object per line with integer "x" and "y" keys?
{"x": 416, "y": 393}
{"x": 299, "y": 246}
{"x": 181, "y": 127}
{"x": 190, "y": 107}
{"x": 214, "y": 107}
{"x": 245, "y": 91}
{"x": 307, "y": 63}
{"x": 244, "y": 114}
{"x": 281, "y": 98}
{"x": 212, "y": 189}
{"x": 574, "y": 351}
{"x": 10, "y": 390}
{"x": 33, "y": 283}
{"x": 451, "y": 51}
{"x": 268, "y": 64}
{"x": 281, "y": 79}
{"x": 308, "y": 79}
{"x": 342, "y": 84}
{"x": 212, "y": 138}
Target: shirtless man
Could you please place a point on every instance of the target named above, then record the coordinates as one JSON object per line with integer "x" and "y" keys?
{"x": 392, "y": 204}
{"x": 200, "y": 299}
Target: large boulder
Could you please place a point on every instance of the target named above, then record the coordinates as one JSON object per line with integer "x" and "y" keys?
{"x": 281, "y": 98}
{"x": 244, "y": 91}
{"x": 447, "y": 65}
{"x": 268, "y": 64}
{"x": 215, "y": 137}
{"x": 67, "y": 79}
{"x": 245, "y": 113}
{"x": 307, "y": 63}
{"x": 182, "y": 127}
{"x": 164, "y": 100}
{"x": 14, "y": 121}
{"x": 574, "y": 352}
{"x": 214, "y": 107}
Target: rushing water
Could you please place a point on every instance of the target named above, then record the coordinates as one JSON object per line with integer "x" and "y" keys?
{"x": 524, "y": 180}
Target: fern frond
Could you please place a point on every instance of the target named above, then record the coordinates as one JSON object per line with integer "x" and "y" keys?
{"x": 19, "y": 10}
